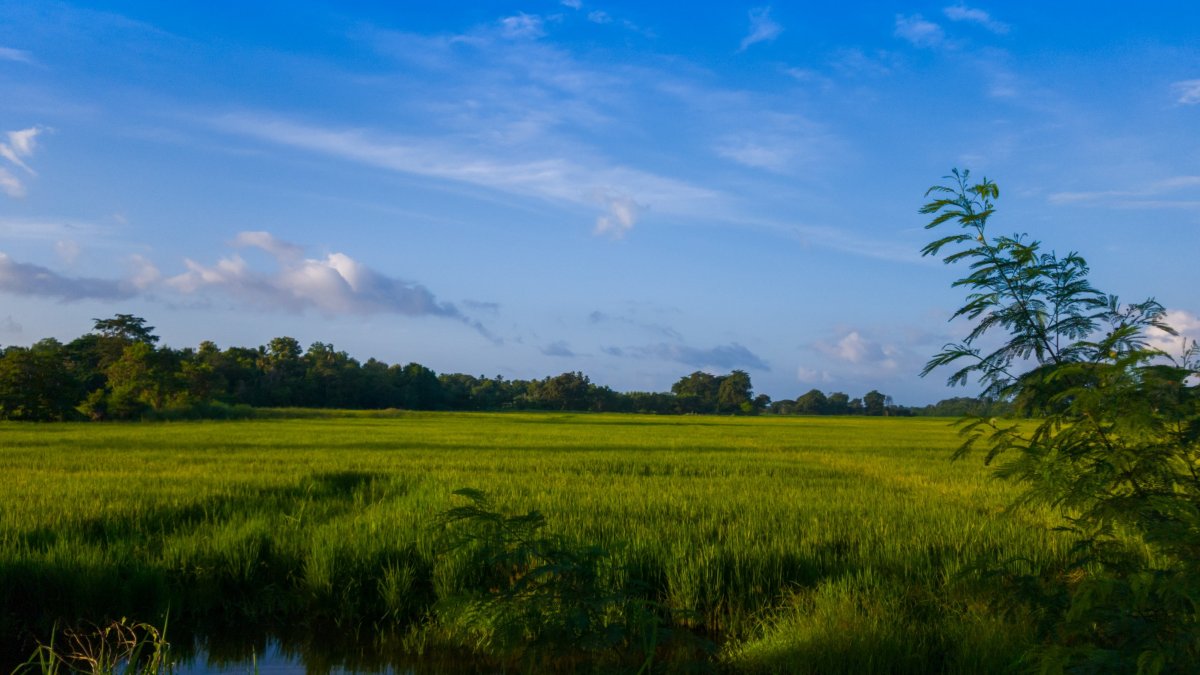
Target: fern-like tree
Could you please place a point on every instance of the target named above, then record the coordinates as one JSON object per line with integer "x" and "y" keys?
{"x": 1114, "y": 440}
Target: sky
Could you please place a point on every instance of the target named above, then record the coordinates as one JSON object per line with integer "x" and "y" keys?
{"x": 631, "y": 190}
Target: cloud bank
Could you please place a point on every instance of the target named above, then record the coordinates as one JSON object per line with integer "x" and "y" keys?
{"x": 34, "y": 280}
{"x": 336, "y": 284}
{"x": 722, "y": 357}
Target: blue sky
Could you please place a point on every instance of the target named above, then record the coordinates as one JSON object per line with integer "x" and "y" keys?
{"x": 636, "y": 192}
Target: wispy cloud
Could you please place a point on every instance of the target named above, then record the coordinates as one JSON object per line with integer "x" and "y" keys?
{"x": 855, "y": 62}
{"x": 18, "y": 148}
{"x": 573, "y": 4}
{"x": 721, "y": 357}
{"x": 34, "y": 280}
{"x": 551, "y": 178}
{"x": 599, "y": 16}
{"x": 621, "y": 216}
{"x": 10, "y": 184}
{"x": 632, "y": 319}
{"x": 754, "y": 152}
{"x": 17, "y": 55}
{"x": 1187, "y": 92}
{"x": 522, "y": 26}
{"x": 50, "y": 229}
{"x": 976, "y": 16}
{"x": 918, "y": 31}
{"x": 1159, "y": 194}
{"x": 762, "y": 28}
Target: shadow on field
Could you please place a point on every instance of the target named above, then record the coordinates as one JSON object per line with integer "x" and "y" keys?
{"x": 222, "y": 559}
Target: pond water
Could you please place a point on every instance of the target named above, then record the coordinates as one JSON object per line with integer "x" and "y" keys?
{"x": 272, "y": 657}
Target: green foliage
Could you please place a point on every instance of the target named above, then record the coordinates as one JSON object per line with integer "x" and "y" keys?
{"x": 1116, "y": 445}
{"x": 539, "y": 599}
{"x": 37, "y": 383}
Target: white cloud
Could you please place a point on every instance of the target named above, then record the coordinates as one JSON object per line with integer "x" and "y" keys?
{"x": 856, "y": 349}
{"x": 18, "y": 55}
{"x": 11, "y": 185}
{"x": 522, "y": 26}
{"x": 145, "y": 274}
{"x": 336, "y": 284}
{"x": 1184, "y": 323}
{"x": 762, "y": 28}
{"x": 573, "y": 4}
{"x": 621, "y": 216}
{"x": 549, "y": 178}
{"x": 599, "y": 17}
{"x": 918, "y": 31}
{"x": 270, "y": 243}
{"x": 1187, "y": 91}
{"x": 976, "y": 16}
{"x": 23, "y": 141}
{"x": 20, "y": 146}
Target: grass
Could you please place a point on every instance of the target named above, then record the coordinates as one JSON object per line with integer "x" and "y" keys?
{"x": 795, "y": 545}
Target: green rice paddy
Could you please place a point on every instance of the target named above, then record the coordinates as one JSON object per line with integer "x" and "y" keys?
{"x": 787, "y": 544}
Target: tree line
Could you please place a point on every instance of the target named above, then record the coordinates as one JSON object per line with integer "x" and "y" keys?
{"x": 119, "y": 371}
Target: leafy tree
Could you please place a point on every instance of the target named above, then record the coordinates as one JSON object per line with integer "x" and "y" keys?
{"x": 734, "y": 393}
{"x": 812, "y": 403}
{"x": 1116, "y": 444}
{"x": 283, "y": 371}
{"x": 126, "y": 328}
{"x": 568, "y": 391}
{"x": 875, "y": 403}
{"x": 421, "y": 388}
{"x": 838, "y": 404}
{"x": 37, "y": 384}
{"x": 697, "y": 393}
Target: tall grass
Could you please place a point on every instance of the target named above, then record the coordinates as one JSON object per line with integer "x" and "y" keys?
{"x": 806, "y": 545}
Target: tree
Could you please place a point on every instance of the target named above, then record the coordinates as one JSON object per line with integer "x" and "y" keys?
{"x": 697, "y": 393}
{"x": 874, "y": 403}
{"x": 734, "y": 393}
{"x": 283, "y": 371}
{"x": 36, "y": 383}
{"x": 568, "y": 391}
{"x": 1115, "y": 445}
{"x": 838, "y": 404}
{"x": 126, "y": 328}
{"x": 812, "y": 403}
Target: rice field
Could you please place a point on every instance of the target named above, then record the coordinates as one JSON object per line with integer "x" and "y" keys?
{"x": 815, "y": 545}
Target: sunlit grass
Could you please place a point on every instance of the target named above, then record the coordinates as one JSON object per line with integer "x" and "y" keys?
{"x": 789, "y": 541}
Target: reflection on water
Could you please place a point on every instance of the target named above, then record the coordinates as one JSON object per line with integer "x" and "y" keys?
{"x": 270, "y": 655}
{"x": 273, "y": 660}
